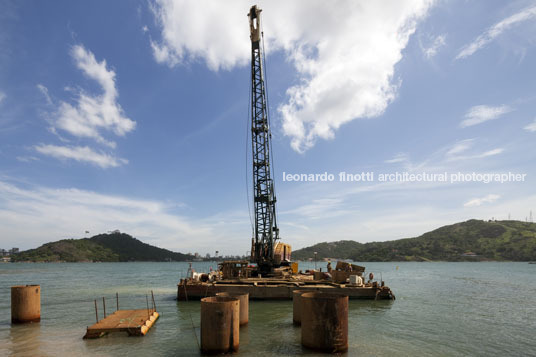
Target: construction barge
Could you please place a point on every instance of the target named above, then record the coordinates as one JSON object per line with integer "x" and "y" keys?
{"x": 232, "y": 277}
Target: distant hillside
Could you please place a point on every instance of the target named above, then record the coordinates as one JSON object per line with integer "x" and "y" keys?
{"x": 466, "y": 241}
{"x": 113, "y": 247}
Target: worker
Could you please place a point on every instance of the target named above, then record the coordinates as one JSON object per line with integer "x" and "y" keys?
{"x": 329, "y": 266}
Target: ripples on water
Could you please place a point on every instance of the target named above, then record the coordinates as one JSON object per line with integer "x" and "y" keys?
{"x": 442, "y": 309}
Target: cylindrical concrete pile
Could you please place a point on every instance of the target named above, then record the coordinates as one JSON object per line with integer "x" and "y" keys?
{"x": 324, "y": 322}
{"x": 220, "y": 324}
{"x": 25, "y": 303}
{"x": 244, "y": 305}
{"x": 297, "y": 306}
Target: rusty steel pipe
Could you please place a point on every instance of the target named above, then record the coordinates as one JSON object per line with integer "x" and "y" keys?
{"x": 25, "y": 303}
{"x": 297, "y": 306}
{"x": 220, "y": 324}
{"x": 244, "y": 305}
{"x": 324, "y": 322}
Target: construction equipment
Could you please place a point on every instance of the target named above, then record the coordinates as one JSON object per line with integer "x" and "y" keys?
{"x": 266, "y": 232}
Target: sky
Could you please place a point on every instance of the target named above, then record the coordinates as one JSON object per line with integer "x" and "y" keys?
{"x": 133, "y": 115}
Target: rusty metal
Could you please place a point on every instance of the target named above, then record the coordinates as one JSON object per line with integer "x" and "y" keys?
{"x": 324, "y": 322}
{"x": 220, "y": 324}
{"x": 297, "y": 306}
{"x": 244, "y": 305}
{"x": 25, "y": 303}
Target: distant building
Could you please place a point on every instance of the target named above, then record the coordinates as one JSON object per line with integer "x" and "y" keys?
{"x": 4, "y": 253}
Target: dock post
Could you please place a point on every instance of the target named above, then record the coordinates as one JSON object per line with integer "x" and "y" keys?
{"x": 96, "y": 311}
{"x": 324, "y": 322}
{"x": 220, "y": 324}
{"x": 25, "y": 303}
{"x": 117, "y": 300}
{"x": 104, "y": 306}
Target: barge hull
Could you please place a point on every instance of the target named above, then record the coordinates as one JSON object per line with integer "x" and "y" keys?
{"x": 258, "y": 291}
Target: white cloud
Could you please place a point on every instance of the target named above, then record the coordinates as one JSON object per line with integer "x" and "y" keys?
{"x": 91, "y": 114}
{"x": 496, "y": 30}
{"x": 68, "y": 212}
{"x": 482, "y": 113}
{"x": 82, "y": 154}
{"x": 480, "y": 201}
{"x": 44, "y": 91}
{"x": 531, "y": 126}
{"x": 2, "y": 96}
{"x": 344, "y": 53}
{"x": 400, "y": 157}
{"x": 145, "y": 28}
{"x": 460, "y": 147}
{"x": 434, "y": 47}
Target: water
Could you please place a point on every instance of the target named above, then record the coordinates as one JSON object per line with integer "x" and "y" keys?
{"x": 442, "y": 309}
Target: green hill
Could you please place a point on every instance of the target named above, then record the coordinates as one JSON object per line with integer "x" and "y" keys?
{"x": 113, "y": 247}
{"x": 466, "y": 241}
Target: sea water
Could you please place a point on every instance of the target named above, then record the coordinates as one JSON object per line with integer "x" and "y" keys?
{"x": 441, "y": 309}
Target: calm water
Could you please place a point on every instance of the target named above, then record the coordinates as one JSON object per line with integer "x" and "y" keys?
{"x": 442, "y": 309}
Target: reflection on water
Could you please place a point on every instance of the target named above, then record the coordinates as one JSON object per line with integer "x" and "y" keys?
{"x": 25, "y": 340}
{"x": 441, "y": 309}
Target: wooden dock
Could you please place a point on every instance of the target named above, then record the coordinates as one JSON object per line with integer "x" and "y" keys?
{"x": 134, "y": 322}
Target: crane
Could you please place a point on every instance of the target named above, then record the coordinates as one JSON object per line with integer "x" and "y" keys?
{"x": 264, "y": 245}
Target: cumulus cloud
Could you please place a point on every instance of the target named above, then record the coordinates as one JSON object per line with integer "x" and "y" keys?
{"x": 482, "y": 113}
{"x": 90, "y": 117}
{"x": 344, "y": 52}
{"x": 531, "y": 126}
{"x": 496, "y": 30}
{"x": 82, "y": 154}
{"x": 480, "y": 201}
{"x": 434, "y": 47}
{"x": 93, "y": 114}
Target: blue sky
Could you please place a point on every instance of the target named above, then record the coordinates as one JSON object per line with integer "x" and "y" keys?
{"x": 133, "y": 116}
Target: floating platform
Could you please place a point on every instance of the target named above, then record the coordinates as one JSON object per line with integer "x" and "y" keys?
{"x": 278, "y": 289}
{"x": 134, "y": 322}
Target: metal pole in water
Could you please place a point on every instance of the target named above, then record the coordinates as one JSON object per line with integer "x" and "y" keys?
{"x": 96, "y": 311}
{"x": 154, "y": 304}
{"x": 104, "y": 306}
{"x": 147, "y": 298}
{"x": 117, "y": 300}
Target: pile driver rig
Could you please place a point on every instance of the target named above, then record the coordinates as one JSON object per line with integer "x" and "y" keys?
{"x": 266, "y": 251}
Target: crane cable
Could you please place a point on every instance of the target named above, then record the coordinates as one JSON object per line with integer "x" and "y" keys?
{"x": 247, "y": 149}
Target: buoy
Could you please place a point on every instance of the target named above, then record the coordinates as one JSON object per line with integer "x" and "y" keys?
{"x": 25, "y": 303}
{"x": 220, "y": 324}
{"x": 244, "y": 305}
{"x": 297, "y": 306}
{"x": 324, "y": 322}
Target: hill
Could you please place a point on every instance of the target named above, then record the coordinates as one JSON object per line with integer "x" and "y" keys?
{"x": 113, "y": 247}
{"x": 466, "y": 241}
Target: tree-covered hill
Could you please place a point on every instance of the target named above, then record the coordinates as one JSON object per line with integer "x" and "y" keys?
{"x": 465, "y": 241}
{"x": 112, "y": 247}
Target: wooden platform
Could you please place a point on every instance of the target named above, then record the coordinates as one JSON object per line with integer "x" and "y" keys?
{"x": 134, "y": 322}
